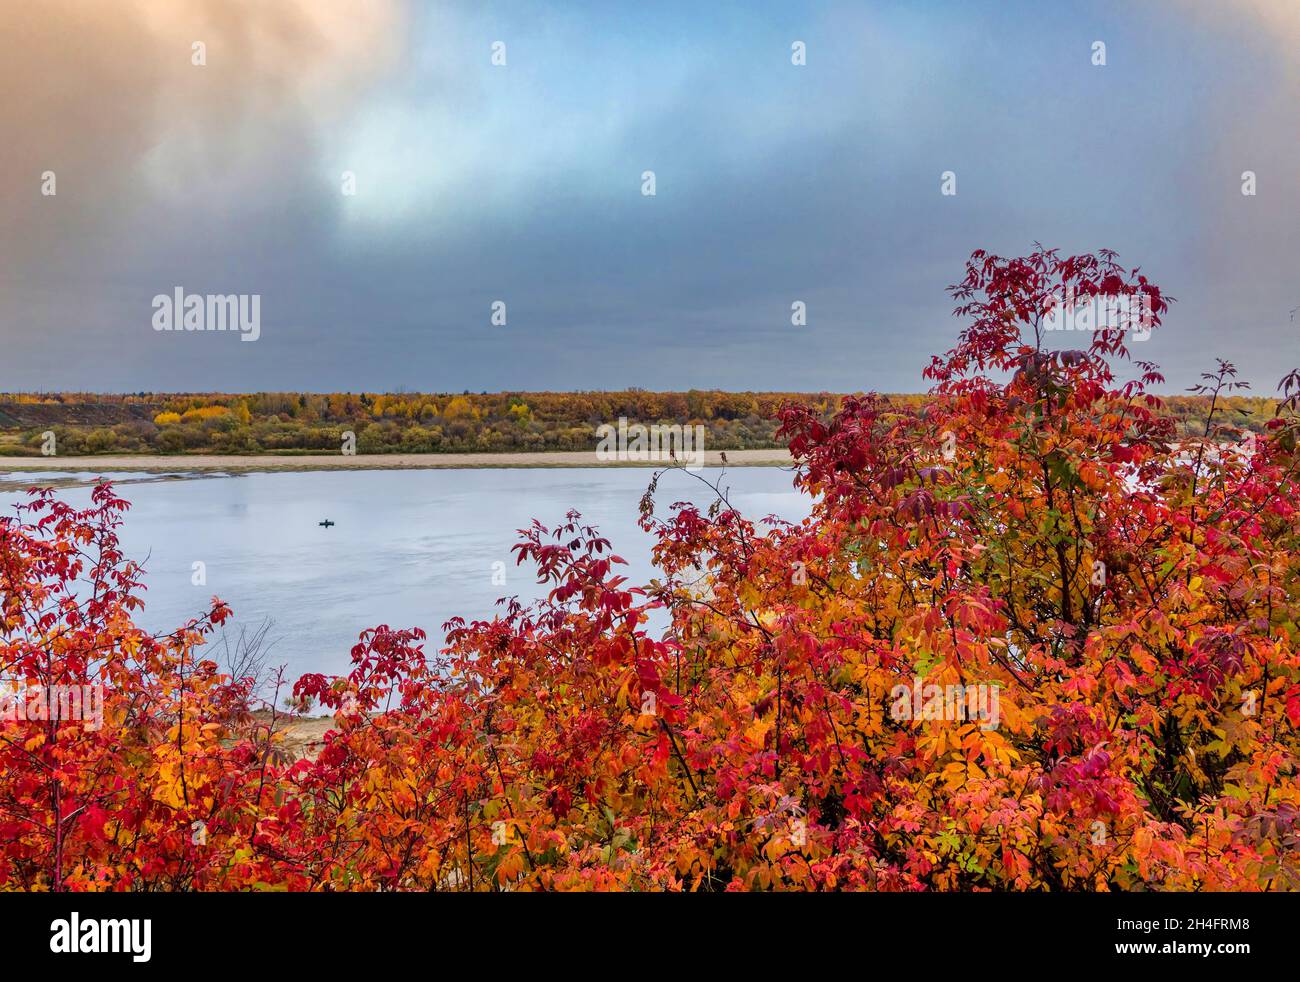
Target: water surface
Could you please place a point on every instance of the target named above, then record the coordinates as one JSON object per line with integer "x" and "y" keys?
{"x": 410, "y": 548}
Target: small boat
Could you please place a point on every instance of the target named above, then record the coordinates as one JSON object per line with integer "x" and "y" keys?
{"x": 325, "y": 524}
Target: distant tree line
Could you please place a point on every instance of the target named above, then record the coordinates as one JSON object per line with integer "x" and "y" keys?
{"x": 466, "y": 422}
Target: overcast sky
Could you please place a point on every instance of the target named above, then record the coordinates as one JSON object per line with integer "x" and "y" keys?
{"x": 523, "y": 183}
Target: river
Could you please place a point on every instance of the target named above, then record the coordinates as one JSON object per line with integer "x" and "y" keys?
{"x": 408, "y": 548}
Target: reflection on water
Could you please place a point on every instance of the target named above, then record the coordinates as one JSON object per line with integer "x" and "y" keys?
{"x": 409, "y": 548}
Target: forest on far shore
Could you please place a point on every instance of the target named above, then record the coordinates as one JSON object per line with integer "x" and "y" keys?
{"x": 403, "y": 422}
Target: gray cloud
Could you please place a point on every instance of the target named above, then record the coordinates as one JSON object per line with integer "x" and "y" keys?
{"x": 775, "y": 184}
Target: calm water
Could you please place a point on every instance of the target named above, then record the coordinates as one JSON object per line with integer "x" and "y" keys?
{"x": 410, "y": 548}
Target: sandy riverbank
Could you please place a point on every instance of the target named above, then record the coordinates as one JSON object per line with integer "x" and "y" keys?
{"x": 181, "y": 463}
